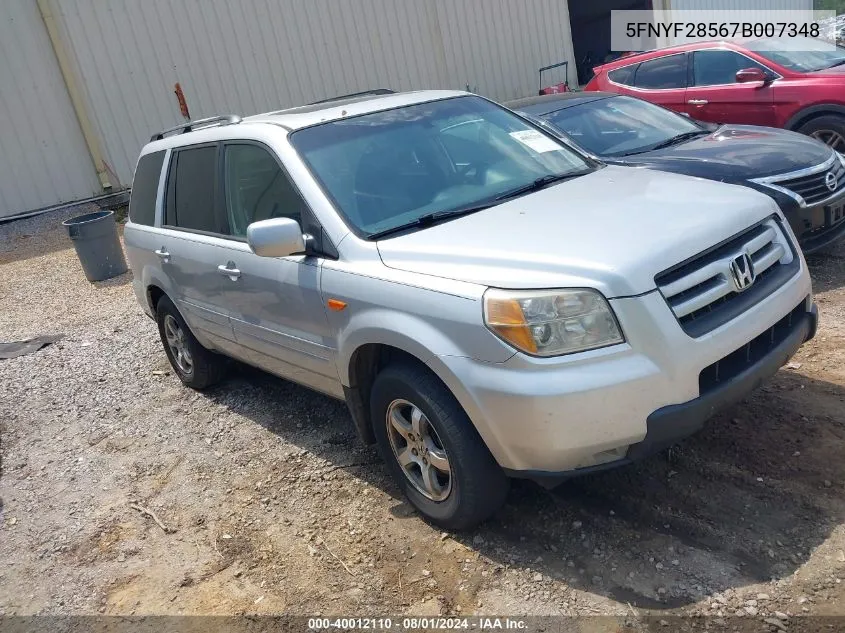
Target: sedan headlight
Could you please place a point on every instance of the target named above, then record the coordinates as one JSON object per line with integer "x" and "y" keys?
{"x": 551, "y": 322}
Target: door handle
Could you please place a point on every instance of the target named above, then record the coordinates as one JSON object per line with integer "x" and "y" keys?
{"x": 163, "y": 254}
{"x": 698, "y": 102}
{"x": 229, "y": 270}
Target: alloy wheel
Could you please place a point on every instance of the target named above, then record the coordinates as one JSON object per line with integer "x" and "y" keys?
{"x": 419, "y": 450}
{"x": 831, "y": 138}
{"x": 178, "y": 345}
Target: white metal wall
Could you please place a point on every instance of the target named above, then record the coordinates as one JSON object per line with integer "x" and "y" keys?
{"x": 745, "y": 5}
{"x": 257, "y": 55}
{"x": 43, "y": 157}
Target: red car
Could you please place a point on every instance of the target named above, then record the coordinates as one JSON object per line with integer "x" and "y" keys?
{"x": 798, "y": 84}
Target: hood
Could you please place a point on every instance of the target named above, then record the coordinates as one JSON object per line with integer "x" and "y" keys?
{"x": 612, "y": 230}
{"x": 836, "y": 71}
{"x": 734, "y": 153}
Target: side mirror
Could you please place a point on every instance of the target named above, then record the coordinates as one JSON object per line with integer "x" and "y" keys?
{"x": 276, "y": 237}
{"x": 750, "y": 75}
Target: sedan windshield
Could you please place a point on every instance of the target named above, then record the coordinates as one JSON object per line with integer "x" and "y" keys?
{"x": 430, "y": 161}
{"x": 799, "y": 54}
{"x": 620, "y": 125}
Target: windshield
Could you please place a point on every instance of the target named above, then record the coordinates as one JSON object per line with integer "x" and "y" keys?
{"x": 386, "y": 169}
{"x": 799, "y": 54}
{"x": 619, "y": 125}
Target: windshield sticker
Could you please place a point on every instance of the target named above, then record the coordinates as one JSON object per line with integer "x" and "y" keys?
{"x": 536, "y": 141}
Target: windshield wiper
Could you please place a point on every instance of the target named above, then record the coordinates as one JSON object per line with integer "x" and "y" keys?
{"x": 430, "y": 219}
{"x": 680, "y": 138}
{"x": 540, "y": 183}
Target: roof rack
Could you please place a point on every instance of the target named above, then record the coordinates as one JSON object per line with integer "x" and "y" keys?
{"x": 190, "y": 126}
{"x": 365, "y": 93}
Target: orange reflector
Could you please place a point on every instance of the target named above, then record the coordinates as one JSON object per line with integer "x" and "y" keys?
{"x": 505, "y": 317}
{"x": 336, "y": 304}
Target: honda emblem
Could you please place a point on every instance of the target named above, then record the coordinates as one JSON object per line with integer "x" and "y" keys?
{"x": 742, "y": 271}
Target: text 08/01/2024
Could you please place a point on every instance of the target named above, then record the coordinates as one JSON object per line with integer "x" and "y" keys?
{"x": 417, "y": 623}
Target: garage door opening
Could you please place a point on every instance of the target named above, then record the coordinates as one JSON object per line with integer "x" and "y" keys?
{"x": 590, "y": 23}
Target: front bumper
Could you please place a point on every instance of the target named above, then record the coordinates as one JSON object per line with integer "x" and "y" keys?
{"x": 669, "y": 424}
{"x": 549, "y": 419}
{"x": 815, "y": 226}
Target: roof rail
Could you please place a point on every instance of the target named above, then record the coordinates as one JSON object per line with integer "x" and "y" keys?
{"x": 190, "y": 126}
{"x": 365, "y": 93}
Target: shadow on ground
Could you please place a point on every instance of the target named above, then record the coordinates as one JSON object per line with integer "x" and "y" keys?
{"x": 828, "y": 267}
{"x": 745, "y": 501}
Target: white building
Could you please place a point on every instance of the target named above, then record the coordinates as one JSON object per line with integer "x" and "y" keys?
{"x": 84, "y": 83}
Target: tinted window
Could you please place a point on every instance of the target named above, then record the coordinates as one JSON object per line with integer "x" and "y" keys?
{"x": 620, "y": 125}
{"x": 712, "y": 68}
{"x": 142, "y": 202}
{"x": 386, "y": 169}
{"x": 800, "y": 54}
{"x": 664, "y": 72}
{"x": 624, "y": 76}
{"x": 257, "y": 189}
{"x": 190, "y": 190}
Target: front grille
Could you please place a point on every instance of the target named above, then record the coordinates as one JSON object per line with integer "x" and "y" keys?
{"x": 813, "y": 188}
{"x": 704, "y": 292}
{"x": 738, "y": 361}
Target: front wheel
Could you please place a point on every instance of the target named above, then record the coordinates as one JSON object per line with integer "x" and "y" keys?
{"x": 829, "y": 129}
{"x": 432, "y": 449}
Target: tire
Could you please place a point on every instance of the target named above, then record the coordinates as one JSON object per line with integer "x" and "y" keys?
{"x": 828, "y": 128}
{"x": 476, "y": 486}
{"x": 196, "y": 366}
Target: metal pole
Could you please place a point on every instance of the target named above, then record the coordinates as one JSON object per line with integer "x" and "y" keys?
{"x": 44, "y": 6}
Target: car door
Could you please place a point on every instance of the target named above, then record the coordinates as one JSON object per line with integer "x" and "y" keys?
{"x": 714, "y": 94}
{"x": 662, "y": 80}
{"x": 189, "y": 244}
{"x": 275, "y": 306}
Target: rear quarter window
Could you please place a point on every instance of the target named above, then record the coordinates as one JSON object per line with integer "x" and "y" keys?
{"x": 624, "y": 75}
{"x": 142, "y": 200}
{"x": 663, "y": 73}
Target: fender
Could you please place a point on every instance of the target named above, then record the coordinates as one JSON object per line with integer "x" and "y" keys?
{"x": 428, "y": 345}
{"x": 152, "y": 276}
{"x": 811, "y": 111}
{"x": 403, "y": 331}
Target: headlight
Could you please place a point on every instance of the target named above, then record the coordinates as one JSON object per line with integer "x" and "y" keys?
{"x": 551, "y": 322}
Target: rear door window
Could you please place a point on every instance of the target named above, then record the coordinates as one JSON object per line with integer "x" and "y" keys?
{"x": 142, "y": 202}
{"x": 190, "y": 191}
{"x": 662, "y": 73}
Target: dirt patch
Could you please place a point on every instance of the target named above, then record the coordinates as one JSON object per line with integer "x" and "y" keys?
{"x": 277, "y": 508}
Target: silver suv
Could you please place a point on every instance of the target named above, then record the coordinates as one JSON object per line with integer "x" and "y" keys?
{"x": 488, "y": 302}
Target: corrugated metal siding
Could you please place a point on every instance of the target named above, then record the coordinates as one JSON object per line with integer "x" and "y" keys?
{"x": 43, "y": 158}
{"x": 745, "y": 5}
{"x": 258, "y": 55}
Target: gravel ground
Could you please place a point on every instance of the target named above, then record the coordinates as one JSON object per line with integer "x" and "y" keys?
{"x": 268, "y": 503}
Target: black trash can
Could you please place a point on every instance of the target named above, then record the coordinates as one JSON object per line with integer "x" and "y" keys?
{"x": 97, "y": 245}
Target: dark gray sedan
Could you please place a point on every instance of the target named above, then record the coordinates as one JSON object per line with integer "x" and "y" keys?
{"x": 804, "y": 176}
